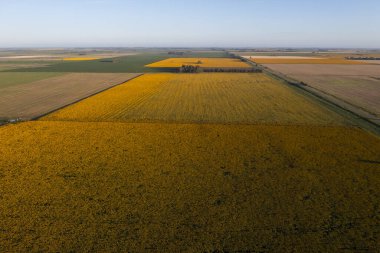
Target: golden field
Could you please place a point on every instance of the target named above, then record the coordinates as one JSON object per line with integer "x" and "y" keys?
{"x": 119, "y": 187}
{"x": 207, "y": 97}
{"x": 201, "y": 62}
{"x": 210, "y": 162}
{"x": 305, "y": 61}
{"x": 80, "y": 59}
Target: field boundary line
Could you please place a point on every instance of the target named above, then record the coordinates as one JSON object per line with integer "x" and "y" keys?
{"x": 361, "y": 117}
{"x": 91, "y": 95}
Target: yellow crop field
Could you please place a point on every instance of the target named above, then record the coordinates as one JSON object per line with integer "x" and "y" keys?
{"x": 201, "y": 62}
{"x": 305, "y": 61}
{"x": 80, "y": 59}
{"x": 119, "y": 187}
{"x": 207, "y": 97}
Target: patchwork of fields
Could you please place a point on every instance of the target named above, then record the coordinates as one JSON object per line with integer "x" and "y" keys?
{"x": 132, "y": 63}
{"x": 189, "y": 162}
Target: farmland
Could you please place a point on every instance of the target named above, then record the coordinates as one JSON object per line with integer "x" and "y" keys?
{"x": 358, "y": 86}
{"x": 301, "y": 60}
{"x": 29, "y": 95}
{"x": 201, "y": 62}
{"x": 123, "y": 64}
{"x": 216, "y": 98}
{"x": 333, "y": 70}
{"x": 152, "y": 187}
{"x": 164, "y": 162}
{"x": 11, "y": 79}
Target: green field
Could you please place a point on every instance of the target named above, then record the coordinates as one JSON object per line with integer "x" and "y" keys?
{"x": 8, "y": 79}
{"x": 124, "y": 64}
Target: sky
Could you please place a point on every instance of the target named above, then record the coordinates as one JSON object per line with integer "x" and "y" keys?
{"x": 190, "y": 23}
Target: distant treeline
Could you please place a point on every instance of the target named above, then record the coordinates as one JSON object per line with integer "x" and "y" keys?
{"x": 197, "y": 69}
{"x": 232, "y": 70}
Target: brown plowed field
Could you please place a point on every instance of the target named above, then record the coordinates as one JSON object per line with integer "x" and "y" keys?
{"x": 29, "y": 100}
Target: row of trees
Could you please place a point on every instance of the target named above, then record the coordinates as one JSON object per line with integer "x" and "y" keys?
{"x": 197, "y": 69}
{"x": 233, "y": 70}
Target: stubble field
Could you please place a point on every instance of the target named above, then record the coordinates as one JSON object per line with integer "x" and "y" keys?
{"x": 302, "y": 60}
{"x": 22, "y": 97}
{"x": 356, "y": 85}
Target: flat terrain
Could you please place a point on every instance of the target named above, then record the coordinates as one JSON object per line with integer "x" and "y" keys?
{"x": 201, "y": 62}
{"x": 124, "y": 64}
{"x": 356, "y": 85}
{"x": 215, "y": 98}
{"x": 23, "y": 98}
{"x": 210, "y": 162}
{"x": 109, "y": 187}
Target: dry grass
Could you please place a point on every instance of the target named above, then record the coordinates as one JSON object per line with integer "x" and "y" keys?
{"x": 202, "y": 62}
{"x": 118, "y": 187}
{"x": 29, "y": 100}
{"x": 216, "y": 98}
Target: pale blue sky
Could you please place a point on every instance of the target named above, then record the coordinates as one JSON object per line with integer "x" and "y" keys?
{"x": 209, "y": 23}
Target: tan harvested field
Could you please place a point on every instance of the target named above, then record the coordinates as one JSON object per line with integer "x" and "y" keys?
{"x": 320, "y": 69}
{"x": 29, "y": 100}
{"x": 304, "y": 60}
{"x": 132, "y": 187}
{"x": 371, "y": 61}
{"x": 215, "y": 98}
{"x": 358, "y": 86}
{"x": 361, "y": 91}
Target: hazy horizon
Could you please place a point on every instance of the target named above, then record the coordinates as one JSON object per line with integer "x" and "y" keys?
{"x": 188, "y": 24}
